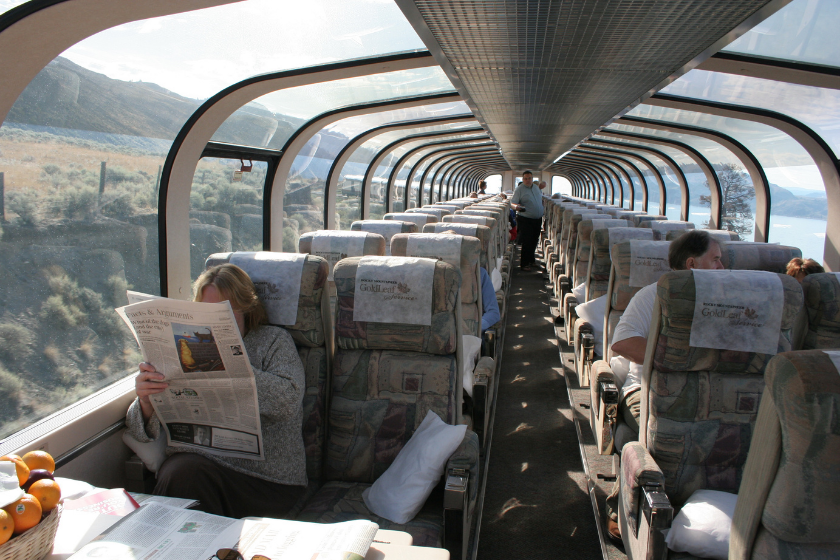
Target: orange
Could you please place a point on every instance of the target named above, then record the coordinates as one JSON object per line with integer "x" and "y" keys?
{"x": 20, "y": 466}
{"x": 47, "y": 492}
{"x": 7, "y": 526}
{"x": 26, "y": 513}
{"x": 39, "y": 460}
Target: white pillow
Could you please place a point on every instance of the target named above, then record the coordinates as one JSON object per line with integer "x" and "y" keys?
{"x": 702, "y": 526}
{"x": 579, "y": 292}
{"x": 593, "y": 313}
{"x": 153, "y": 453}
{"x": 399, "y": 494}
{"x": 472, "y": 348}
{"x": 496, "y": 279}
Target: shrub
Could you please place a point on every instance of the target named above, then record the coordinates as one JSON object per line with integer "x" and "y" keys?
{"x": 51, "y": 169}
{"x": 10, "y": 388}
{"x": 60, "y": 313}
{"x": 15, "y": 342}
{"x": 25, "y": 205}
{"x": 121, "y": 206}
{"x": 79, "y": 202}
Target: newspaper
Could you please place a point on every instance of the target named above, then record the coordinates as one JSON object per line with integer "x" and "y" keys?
{"x": 211, "y": 401}
{"x": 168, "y": 533}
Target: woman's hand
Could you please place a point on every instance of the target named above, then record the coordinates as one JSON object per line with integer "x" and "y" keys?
{"x": 148, "y": 382}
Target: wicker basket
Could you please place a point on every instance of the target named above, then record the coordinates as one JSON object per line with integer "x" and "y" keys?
{"x": 35, "y": 543}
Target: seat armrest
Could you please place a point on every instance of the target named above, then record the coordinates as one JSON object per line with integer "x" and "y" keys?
{"x": 482, "y": 391}
{"x": 460, "y": 495}
{"x": 488, "y": 342}
{"x": 604, "y": 395}
{"x": 644, "y": 510}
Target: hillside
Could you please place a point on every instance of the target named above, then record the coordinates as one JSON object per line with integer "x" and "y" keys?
{"x": 65, "y": 95}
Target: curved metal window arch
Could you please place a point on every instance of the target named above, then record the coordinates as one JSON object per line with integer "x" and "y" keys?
{"x": 443, "y": 160}
{"x": 454, "y": 182}
{"x": 179, "y": 167}
{"x": 436, "y": 164}
{"x": 421, "y": 183}
{"x": 347, "y": 152}
{"x": 470, "y": 173}
{"x": 401, "y": 162}
{"x": 704, "y": 164}
{"x": 580, "y": 187}
{"x": 669, "y": 161}
{"x": 298, "y": 140}
{"x": 627, "y": 150}
{"x": 607, "y": 174}
{"x": 615, "y": 148}
{"x": 747, "y": 158}
{"x": 817, "y": 148}
{"x": 592, "y": 187}
{"x": 605, "y": 180}
{"x": 380, "y": 157}
{"x": 632, "y": 166}
{"x": 616, "y": 170}
{"x": 619, "y": 164}
{"x": 449, "y": 165}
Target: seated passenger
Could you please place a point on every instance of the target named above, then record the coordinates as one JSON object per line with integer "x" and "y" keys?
{"x": 800, "y": 268}
{"x": 482, "y": 187}
{"x": 696, "y": 249}
{"x": 237, "y": 487}
{"x": 473, "y": 194}
{"x": 490, "y": 312}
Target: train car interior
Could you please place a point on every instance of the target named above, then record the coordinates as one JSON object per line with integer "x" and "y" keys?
{"x": 546, "y": 278}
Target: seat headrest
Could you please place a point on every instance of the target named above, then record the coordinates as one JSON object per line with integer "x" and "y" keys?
{"x": 417, "y": 218}
{"x": 717, "y": 234}
{"x": 822, "y": 302}
{"x": 746, "y": 311}
{"x": 437, "y": 338}
{"x": 308, "y": 329}
{"x": 750, "y": 255}
{"x": 639, "y": 220}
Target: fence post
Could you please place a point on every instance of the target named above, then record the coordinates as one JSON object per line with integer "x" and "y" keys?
{"x": 2, "y": 197}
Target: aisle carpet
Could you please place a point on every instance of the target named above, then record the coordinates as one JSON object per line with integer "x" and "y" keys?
{"x": 536, "y": 505}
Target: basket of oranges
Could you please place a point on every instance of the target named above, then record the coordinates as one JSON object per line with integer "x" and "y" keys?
{"x": 31, "y": 506}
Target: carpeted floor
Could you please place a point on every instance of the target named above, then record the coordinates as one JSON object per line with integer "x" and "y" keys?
{"x": 536, "y": 505}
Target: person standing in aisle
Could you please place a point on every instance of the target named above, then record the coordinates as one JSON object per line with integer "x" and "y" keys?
{"x": 527, "y": 201}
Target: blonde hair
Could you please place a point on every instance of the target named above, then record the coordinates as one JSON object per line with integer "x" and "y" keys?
{"x": 806, "y": 266}
{"x": 236, "y": 286}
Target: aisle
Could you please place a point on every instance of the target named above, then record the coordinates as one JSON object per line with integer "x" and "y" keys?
{"x": 535, "y": 504}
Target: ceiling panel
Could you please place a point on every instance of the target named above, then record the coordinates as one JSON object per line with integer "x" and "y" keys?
{"x": 541, "y": 75}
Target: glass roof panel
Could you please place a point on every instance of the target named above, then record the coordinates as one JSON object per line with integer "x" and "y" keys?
{"x": 802, "y": 31}
{"x": 281, "y": 113}
{"x": 818, "y": 108}
{"x": 6, "y": 5}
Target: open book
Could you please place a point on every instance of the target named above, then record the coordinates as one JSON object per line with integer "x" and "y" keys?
{"x": 167, "y": 533}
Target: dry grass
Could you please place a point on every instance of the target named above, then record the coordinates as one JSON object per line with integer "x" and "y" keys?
{"x": 23, "y": 161}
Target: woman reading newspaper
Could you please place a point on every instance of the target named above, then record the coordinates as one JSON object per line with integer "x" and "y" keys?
{"x": 236, "y": 487}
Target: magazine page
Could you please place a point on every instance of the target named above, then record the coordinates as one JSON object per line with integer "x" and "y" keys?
{"x": 280, "y": 539}
{"x": 211, "y": 401}
{"x": 182, "y": 503}
{"x": 161, "y": 532}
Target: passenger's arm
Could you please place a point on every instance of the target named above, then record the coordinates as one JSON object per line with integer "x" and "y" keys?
{"x": 280, "y": 378}
{"x": 490, "y": 314}
{"x": 632, "y": 348}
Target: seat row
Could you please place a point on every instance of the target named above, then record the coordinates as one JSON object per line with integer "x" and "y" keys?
{"x": 705, "y": 370}
{"x": 380, "y": 328}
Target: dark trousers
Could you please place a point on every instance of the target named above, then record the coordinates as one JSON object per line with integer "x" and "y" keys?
{"x": 224, "y": 491}
{"x": 529, "y": 232}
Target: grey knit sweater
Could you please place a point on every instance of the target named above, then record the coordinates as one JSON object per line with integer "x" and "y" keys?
{"x": 280, "y": 386}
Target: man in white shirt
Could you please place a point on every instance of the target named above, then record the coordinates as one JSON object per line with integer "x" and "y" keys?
{"x": 527, "y": 201}
{"x": 695, "y": 249}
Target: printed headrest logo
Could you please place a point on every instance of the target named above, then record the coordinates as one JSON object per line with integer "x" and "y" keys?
{"x": 403, "y": 288}
{"x": 750, "y": 314}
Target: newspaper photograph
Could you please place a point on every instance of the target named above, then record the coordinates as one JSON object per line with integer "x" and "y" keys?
{"x": 211, "y": 400}
{"x": 164, "y": 532}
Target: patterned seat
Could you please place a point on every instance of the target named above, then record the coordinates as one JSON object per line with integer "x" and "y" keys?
{"x": 386, "y": 376}
{"x": 642, "y": 218}
{"x": 385, "y": 228}
{"x": 662, "y": 227}
{"x": 417, "y": 218}
{"x": 569, "y": 245}
{"x": 312, "y": 334}
{"x": 334, "y": 245}
{"x": 486, "y": 221}
{"x": 471, "y": 309}
{"x": 822, "y": 304}
{"x": 787, "y": 501}
{"x": 700, "y": 403}
{"x": 482, "y": 233}
{"x": 720, "y": 234}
